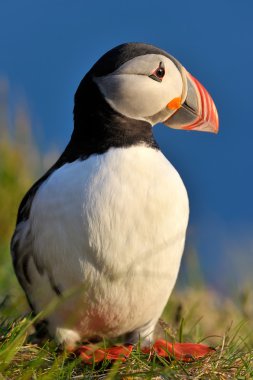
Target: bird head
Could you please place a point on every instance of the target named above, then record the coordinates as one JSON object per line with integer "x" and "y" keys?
{"x": 145, "y": 83}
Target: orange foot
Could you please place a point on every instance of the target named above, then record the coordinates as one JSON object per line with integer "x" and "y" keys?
{"x": 181, "y": 351}
{"x": 91, "y": 354}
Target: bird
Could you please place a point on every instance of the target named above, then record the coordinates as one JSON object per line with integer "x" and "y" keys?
{"x": 108, "y": 220}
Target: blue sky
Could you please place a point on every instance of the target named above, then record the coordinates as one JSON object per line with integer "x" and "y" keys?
{"x": 47, "y": 46}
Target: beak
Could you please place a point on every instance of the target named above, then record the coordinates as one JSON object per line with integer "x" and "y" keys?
{"x": 197, "y": 110}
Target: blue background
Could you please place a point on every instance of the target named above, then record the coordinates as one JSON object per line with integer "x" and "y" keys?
{"x": 47, "y": 46}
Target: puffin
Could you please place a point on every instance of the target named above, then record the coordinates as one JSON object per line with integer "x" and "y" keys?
{"x": 103, "y": 230}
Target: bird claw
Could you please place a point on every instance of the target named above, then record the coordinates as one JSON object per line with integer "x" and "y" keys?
{"x": 186, "y": 352}
{"x": 92, "y": 354}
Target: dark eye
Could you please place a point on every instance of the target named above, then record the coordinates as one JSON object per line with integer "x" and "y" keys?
{"x": 159, "y": 73}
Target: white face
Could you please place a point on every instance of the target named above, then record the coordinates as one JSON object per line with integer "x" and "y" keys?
{"x": 132, "y": 92}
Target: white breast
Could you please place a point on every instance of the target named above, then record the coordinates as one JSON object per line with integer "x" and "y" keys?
{"x": 116, "y": 223}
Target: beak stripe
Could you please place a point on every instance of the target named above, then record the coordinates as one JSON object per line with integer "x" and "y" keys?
{"x": 197, "y": 110}
{"x": 207, "y": 106}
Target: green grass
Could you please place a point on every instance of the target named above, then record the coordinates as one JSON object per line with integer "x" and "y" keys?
{"x": 233, "y": 358}
{"x": 194, "y": 313}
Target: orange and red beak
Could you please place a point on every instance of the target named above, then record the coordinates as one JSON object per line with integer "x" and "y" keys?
{"x": 195, "y": 110}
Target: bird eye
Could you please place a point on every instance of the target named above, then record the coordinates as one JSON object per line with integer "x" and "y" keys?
{"x": 159, "y": 73}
